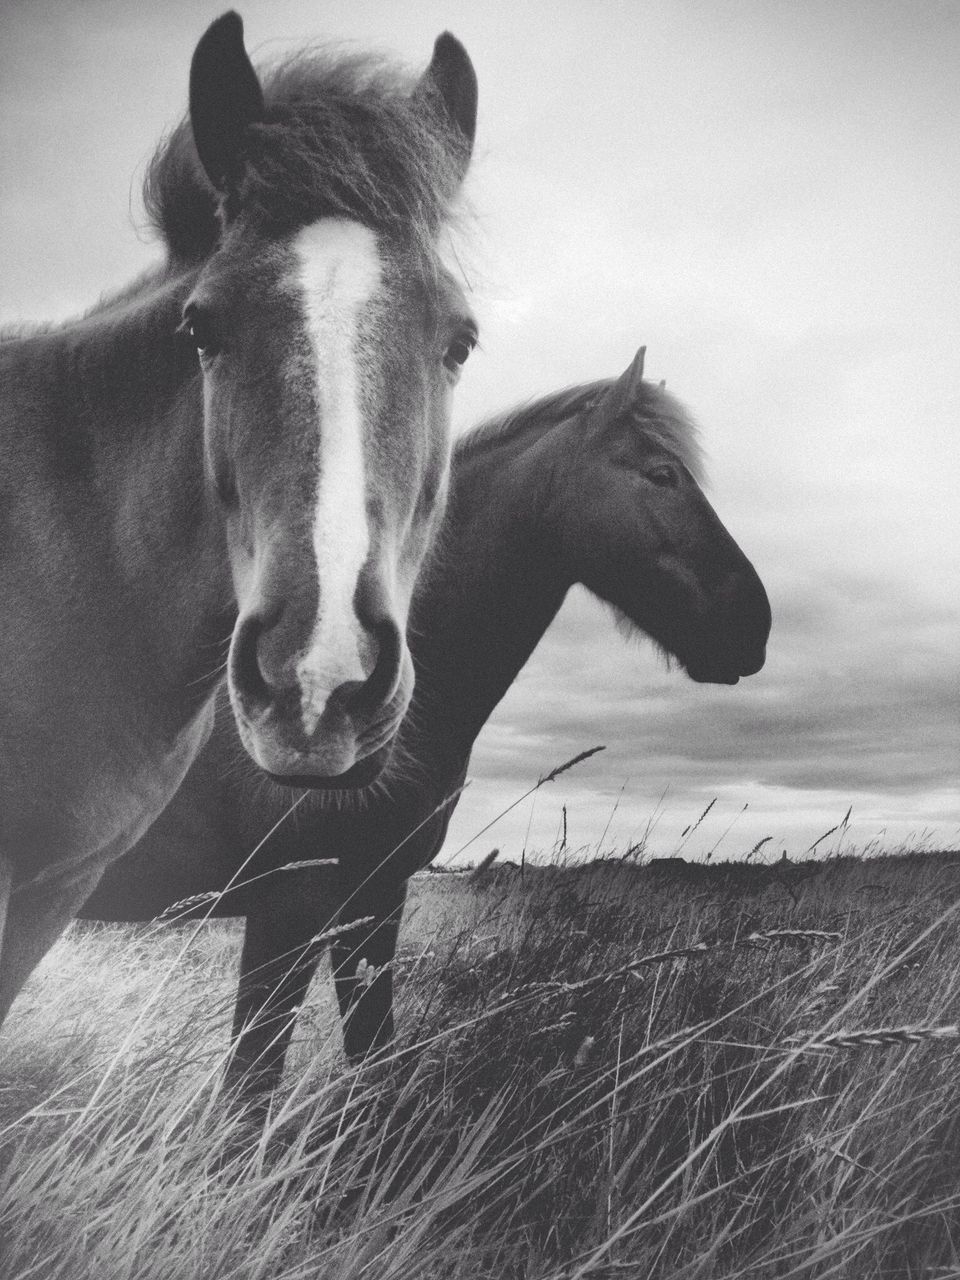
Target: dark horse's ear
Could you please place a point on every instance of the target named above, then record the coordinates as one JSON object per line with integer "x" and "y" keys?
{"x": 225, "y": 97}
{"x": 623, "y": 394}
{"x": 451, "y": 80}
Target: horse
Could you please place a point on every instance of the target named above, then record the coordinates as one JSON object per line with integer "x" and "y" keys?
{"x": 596, "y": 485}
{"x": 238, "y": 460}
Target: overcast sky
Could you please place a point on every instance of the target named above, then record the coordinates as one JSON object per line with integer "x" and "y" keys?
{"x": 764, "y": 193}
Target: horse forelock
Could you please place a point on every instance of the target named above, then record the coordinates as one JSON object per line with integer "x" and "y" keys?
{"x": 668, "y": 423}
{"x": 653, "y": 410}
{"x": 342, "y": 136}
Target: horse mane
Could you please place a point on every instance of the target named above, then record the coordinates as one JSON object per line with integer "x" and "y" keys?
{"x": 343, "y": 135}
{"x": 659, "y": 415}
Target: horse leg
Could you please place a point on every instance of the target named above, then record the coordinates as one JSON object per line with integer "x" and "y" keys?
{"x": 277, "y": 964}
{"x": 366, "y": 1008}
{"x": 36, "y": 915}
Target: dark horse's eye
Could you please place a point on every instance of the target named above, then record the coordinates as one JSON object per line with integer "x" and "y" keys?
{"x": 198, "y": 327}
{"x": 458, "y": 352}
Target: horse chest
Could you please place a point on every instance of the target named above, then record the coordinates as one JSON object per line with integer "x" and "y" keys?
{"x": 83, "y": 823}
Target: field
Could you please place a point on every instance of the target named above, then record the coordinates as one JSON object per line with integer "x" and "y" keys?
{"x": 608, "y": 1070}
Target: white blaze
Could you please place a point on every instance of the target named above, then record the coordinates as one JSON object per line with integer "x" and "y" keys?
{"x": 337, "y": 274}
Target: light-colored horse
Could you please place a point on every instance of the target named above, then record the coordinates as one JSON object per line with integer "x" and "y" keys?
{"x": 240, "y": 460}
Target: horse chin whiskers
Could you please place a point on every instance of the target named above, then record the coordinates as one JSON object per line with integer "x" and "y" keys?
{"x": 402, "y": 770}
{"x": 630, "y": 630}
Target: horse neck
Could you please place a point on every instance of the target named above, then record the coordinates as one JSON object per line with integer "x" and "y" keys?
{"x": 131, "y": 450}
{"x": 495, "y": 587}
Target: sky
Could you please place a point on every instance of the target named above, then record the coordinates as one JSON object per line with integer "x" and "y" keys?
{"x": 763, "y": 193}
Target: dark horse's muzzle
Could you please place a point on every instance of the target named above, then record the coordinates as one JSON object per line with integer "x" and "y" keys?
{"x": 733, "y": 641}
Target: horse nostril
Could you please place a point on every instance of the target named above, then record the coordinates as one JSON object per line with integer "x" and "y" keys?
{"x": 246, "y": 669}
{"x": 380, "y": 686}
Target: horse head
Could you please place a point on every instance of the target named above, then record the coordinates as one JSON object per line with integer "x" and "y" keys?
{"x": 329, "y": 338}
{"x": 641, "y": 534}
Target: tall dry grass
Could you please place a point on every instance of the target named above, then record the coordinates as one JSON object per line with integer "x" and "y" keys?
{"x": 602, "y": 1071}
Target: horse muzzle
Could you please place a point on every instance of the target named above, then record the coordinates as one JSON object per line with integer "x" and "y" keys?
{"x": 733, "y": 639}
{"x": 305, "y": 738}
{"x": 722, "y": 668}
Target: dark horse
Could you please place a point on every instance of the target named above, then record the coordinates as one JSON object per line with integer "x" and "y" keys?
{"x": 594, "y": 485}
{"x": 248, "y": 447}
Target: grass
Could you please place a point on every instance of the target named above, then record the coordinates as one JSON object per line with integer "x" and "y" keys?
{"x": 604, "y": 1070}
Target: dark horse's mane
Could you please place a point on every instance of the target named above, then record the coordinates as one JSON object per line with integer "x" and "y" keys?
{"x": 656, "y": 413}
{"x": 342, "y": 135}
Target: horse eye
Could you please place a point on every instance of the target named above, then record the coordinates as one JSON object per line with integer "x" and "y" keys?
{"x": 664, "y": 477}
{"x": 458, "y": 352}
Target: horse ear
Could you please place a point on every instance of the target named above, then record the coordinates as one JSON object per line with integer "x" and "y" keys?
{"x": 623, "y": 394}
{"x": 225, "y": 97}
{"x": 451, "y": 79}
